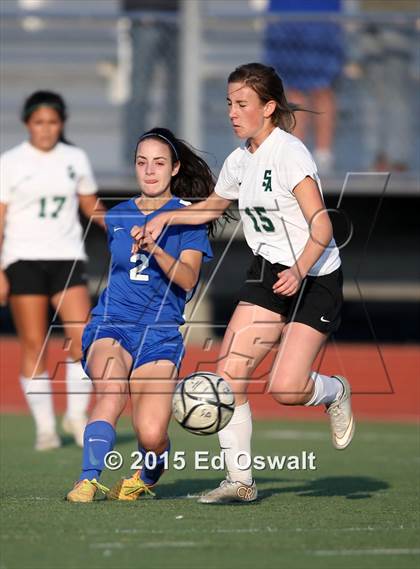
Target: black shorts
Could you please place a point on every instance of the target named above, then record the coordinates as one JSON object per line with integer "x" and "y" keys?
{"x": 45, "y": 277}
{"x": 317, "y": 303}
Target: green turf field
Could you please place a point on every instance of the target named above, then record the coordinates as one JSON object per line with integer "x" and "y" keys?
{"x": 359, "y": 508}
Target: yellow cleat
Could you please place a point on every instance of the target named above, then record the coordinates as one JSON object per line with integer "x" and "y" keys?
{"x": 129, "y": 488}
{"x": 85, "y": 490}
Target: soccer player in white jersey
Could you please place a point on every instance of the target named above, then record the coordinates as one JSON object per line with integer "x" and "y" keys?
{"x": 44, "y": 180}
{"x": 132, "y": 347}
{"x": 293, "y": 294}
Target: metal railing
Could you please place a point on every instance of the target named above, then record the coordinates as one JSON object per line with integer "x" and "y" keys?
{"x": 124, "y": 72}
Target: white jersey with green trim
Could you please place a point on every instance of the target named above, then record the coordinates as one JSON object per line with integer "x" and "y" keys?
{"x": 263, "y": 183}
{"x": 41, "y": 192}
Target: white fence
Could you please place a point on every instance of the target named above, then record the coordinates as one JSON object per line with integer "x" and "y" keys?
{"x": 88, "y": 54}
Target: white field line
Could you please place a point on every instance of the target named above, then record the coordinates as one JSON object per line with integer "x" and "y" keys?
{"x": 354, "y": 529}
{"x": 193, "y": 530}
{"x": 171, "y": 544}
{"x": 118, "y": 545}
{"x": 267, "y": 529}
{"x": 292, "y": 435}
{"x": 349, "y": 552}
{"x": 108, "y": 545}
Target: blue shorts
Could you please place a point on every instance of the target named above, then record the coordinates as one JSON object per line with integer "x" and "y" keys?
{"x": 145, "y": 343}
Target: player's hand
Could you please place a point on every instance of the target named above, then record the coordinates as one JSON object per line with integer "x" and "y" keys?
{"x": 289, "y": 282}
{"x": 136, "y": 233}
{"x": 147, "y": 243}
{"x": 4, "y": 288}
{"x": 153, "y": 228}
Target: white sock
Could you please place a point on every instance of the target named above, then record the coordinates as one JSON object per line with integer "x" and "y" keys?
{"x": 234, "y": 439}
{"x": 79, "y": 388}
{"x": 38, "y": 395}
{"x": 327, "y": 390}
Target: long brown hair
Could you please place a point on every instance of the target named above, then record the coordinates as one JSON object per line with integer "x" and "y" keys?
{"x": 266, "y": 82}
{"x": 195, "y": 180}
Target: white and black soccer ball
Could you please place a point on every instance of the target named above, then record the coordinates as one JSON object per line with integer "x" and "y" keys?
{"x": 203, "y": 403}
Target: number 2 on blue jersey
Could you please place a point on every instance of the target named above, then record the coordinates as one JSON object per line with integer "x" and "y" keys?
{"x": 136, "y": 272}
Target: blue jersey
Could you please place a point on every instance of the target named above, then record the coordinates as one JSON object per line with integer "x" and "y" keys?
{"x": 138, "y": 290}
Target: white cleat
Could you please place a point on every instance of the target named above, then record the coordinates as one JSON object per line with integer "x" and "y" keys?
{"x": 341, "y": 417}
{"x": 47, "y": 441}
{"x": 229, "y": 492}
{"x": 75, "y": 427}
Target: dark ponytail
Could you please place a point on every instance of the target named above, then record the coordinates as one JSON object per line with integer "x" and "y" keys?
{"x": 46, "y": 99}
{"x": 194, "y": 181}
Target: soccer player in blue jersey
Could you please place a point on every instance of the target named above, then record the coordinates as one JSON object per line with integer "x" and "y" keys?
{"x": 132, "y": 345}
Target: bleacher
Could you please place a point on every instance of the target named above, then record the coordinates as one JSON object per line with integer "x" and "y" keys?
{"x": 69, "y": 55}
{"x": 80, "y": 48}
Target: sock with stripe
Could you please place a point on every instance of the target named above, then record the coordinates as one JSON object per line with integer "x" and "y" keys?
{"x": 98, "y": 440}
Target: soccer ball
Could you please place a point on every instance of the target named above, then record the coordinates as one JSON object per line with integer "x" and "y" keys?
{"x": 203, "y": 403}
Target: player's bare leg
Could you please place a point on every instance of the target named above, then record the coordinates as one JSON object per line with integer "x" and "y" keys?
{"x": 251, "y": 333}
{"x": 324, "y": 127}
{"x": 30, "y": 313}
{"x": 73, "y": 307}
{"x": 109, "y": 366}
{"x": 151, "y": 389}
{"x": 302, "y": 119}
{"x": 293, "y": 382}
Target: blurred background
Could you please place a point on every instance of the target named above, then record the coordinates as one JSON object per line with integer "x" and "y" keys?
{"x": 127, "y": 65}
{"x": 124, "y": 66}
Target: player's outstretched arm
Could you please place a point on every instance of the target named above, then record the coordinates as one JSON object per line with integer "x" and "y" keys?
{"x": 184, "y": 271}
{"x": 203, "y": 212}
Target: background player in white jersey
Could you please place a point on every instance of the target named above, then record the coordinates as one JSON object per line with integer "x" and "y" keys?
{"x": 293, "y": 295}
{"x": 43, "y": 183}
{"x": 132, "y": 346}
